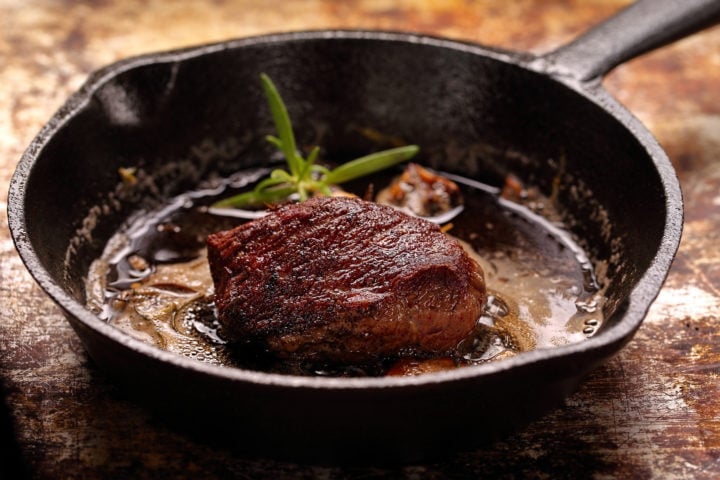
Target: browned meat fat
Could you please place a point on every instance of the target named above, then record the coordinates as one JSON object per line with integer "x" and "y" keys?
{"x": 344, "y": 280}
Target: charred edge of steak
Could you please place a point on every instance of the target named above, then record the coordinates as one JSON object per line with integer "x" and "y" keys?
{"x": 343, "y": 279}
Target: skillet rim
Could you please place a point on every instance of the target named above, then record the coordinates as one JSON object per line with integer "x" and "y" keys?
{"x": 609, "y": 339}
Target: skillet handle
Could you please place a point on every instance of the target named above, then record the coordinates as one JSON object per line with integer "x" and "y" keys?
{"x": 637, "y": 29}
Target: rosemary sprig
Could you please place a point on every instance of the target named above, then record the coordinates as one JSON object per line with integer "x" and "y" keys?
{"x": 303, "y": 176}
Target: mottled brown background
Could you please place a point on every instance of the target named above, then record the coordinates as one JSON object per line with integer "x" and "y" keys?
{"x": 653, "y": 411}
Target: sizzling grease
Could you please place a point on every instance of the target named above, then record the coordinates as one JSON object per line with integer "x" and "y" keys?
{"x": 153, "y": 282}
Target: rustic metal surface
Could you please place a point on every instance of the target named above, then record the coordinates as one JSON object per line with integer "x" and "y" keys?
{"x": 653, "y": 411}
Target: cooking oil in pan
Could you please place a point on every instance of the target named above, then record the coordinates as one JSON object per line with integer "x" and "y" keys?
{"x": 153, "y": 282}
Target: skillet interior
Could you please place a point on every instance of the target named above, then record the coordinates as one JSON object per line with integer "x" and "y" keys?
{"x": 183, "y": 116}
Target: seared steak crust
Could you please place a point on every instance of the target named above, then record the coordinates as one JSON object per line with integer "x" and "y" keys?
{"x": 342, "y": 279}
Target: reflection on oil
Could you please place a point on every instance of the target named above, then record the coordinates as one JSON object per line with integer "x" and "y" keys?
{"x": 153, "y": 282}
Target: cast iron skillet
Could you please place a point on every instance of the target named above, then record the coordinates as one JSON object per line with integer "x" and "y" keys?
{"x": 182, "y": 115}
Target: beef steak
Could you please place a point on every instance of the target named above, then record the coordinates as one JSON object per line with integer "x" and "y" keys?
{"x": 344, "y": 280}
